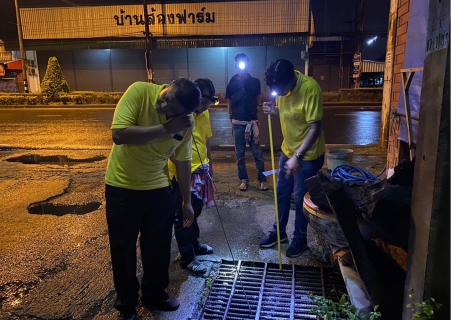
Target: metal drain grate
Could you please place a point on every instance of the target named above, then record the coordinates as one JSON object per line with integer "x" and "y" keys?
{"x": 269, "y": 293}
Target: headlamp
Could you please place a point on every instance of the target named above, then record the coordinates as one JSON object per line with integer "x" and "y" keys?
{"x": 274, "y": 93}
{"x": 213, "y": 99}
{"x": 241, "y": 65}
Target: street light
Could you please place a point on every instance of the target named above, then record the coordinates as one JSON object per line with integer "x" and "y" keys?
{"x": 370, "y": 41}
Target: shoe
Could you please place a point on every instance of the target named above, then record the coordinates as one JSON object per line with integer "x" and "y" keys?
{"x": 166, "y": 303}
{"x": 203, "y": 249}
{"x": 195, "y": 267}
{"x": 264, "y": 186}
{"x": 128, "y": 316}
{"x": 243, "y": 186}
{"x": 297, "y": 248}
{"x": 271, "y": 239}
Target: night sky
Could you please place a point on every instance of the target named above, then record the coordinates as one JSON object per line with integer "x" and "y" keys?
{"x": 328, "y": 15}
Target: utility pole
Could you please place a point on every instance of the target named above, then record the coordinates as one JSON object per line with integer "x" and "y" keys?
{"x": 360, "y": 13}
{"x": 148, "y": 45}
{"x": 388, "y": 74}
{"x": 22, "y": 54}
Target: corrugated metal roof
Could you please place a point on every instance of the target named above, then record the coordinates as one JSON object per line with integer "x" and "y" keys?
{"x": 162, "y": 43}
{"x": 372, "y": 66}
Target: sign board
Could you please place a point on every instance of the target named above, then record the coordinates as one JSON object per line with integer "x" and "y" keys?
{"x": 166, "y": 20}
{"x": 356, "y": 67}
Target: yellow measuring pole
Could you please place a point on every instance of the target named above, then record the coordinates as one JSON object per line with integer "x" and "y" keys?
{"x": 275, "y": 191}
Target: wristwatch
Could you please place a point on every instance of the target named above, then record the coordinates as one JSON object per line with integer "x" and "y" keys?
{"x": 299, "y": 156}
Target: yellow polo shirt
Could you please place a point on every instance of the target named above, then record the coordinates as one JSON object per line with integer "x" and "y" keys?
{"x": 143, "y": 167}
{"x": 202, "y": 132}
{"x": 300, "y": 106}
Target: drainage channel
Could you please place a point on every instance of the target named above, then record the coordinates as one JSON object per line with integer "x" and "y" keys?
{"x": 263, "y": 291}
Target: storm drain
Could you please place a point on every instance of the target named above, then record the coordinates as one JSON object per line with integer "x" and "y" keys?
{"x": 53, "y": 160}
{"x": 263, "y": 291}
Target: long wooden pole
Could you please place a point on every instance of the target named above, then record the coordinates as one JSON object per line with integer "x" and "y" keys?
{"x": 275, "y": 191}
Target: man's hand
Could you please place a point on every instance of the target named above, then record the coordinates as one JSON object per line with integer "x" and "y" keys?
{"x": 178, "y": 124}
{"x": 270, "y": 108}
{"x": 188, "y": 214}
{"x": 292, "y": 166}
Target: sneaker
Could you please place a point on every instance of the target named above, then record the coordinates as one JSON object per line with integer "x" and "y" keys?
{"x": 195, "y": 267}
{"x": 297, "y": 248}
{"x": 271, "y": 239}
{"x": 204, "y": 249}
{"x": 166, "y": 303}
{"x": 128, "y": 316}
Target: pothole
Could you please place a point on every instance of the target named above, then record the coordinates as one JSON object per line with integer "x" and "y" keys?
{"x": 54, "y": 160}
{"x": 61, "y": 210}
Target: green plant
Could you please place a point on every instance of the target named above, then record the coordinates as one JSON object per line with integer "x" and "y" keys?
{"x": 54, "y": 82}
{"x": 326, "y": 309}
{"x": 423, "y": 310}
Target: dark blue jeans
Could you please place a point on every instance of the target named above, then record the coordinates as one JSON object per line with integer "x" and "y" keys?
{"x": 240, "y": 148}
{"x": 294, "y": 184}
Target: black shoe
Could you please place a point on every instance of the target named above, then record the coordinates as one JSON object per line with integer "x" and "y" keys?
{"x": 297, "y": 248}
{"x": 203, "y": 249}
{"x": 271, "y": 239}
{"x": 128, "y": 316}
{"x": 165, "y": 303}
{"x": 195, "y": 267}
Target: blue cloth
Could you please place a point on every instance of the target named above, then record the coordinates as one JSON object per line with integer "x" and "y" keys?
{"x": 240, "y": 148}
{"x": 294, "y": 185}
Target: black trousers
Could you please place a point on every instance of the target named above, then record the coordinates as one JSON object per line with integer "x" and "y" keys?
{"x": 187, "y": 238}
{"x": 150, "y": 214}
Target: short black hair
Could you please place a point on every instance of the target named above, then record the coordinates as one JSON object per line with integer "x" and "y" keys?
{"x": 205, "y": 83}
{"x": 279, "y": 73}
{"x": 241, "y": 56}
{"x": 187, "y": 93}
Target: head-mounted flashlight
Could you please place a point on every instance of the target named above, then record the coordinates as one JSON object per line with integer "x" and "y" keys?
{"x": 241, "y": 65}
{"x": 214, "y": 99}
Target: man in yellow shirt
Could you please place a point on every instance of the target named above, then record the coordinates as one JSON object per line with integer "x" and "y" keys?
{"x": 150, "y": 123}
{"x": 202, "y": 189}
{"x": 299, "y": 105}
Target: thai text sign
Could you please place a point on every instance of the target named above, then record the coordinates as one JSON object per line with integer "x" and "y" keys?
{"x": 217, "y": 18}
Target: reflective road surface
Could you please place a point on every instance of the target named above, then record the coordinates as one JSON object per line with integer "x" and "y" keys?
{"x": 89, "y": 128}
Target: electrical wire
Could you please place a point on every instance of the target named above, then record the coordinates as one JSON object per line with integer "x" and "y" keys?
{"x": 222, "y": 226}
{"x": 347, "y": 173}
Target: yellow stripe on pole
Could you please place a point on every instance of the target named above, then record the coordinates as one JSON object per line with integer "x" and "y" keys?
{"x": 275, "y": 191}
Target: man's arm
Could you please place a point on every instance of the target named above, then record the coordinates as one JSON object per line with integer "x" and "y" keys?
{"x": 183, "y": 169}
{"x": 312, "y": 135}
{"x": 142, "y": 135}
{"x": 138, "y": 135}
{"x": 230, "y": 106}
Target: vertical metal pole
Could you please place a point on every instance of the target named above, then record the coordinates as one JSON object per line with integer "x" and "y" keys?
{"x": 361, "y": 22}
{"x": 22, "y": 54}
{"x": 388, "y": 74}
{"x": 148, "y": 45}
{"x": 341, "y": 58}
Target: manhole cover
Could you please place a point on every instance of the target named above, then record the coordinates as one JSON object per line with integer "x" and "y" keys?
{"x": 54, "y": 160}
{"x": 263, "y": 291}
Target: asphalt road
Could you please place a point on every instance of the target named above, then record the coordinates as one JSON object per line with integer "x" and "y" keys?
{"x": 88, "y": 128}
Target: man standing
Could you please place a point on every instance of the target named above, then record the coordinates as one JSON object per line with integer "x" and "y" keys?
{"x": 242, "y": 93}
{"x": 202, "y": 189}
{"x": 150, "y": 123}
{"x": 299, "y": 105}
